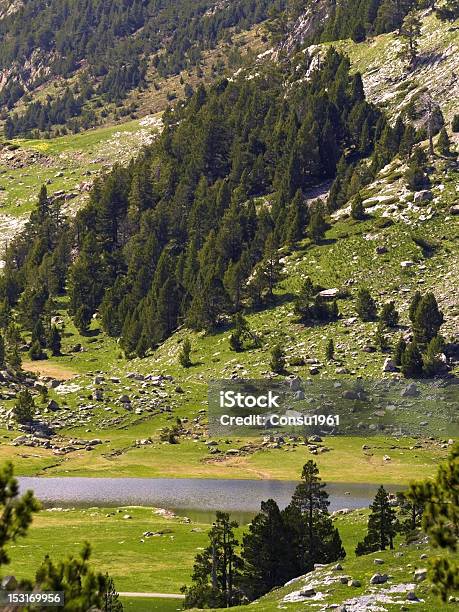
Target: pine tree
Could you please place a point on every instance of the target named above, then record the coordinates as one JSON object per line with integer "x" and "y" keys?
{"x": 380, "y": 337}
{"x": 83, "y": 588}
{"x": 216, "y": 569}
{"x": 410, "y": 31}
{"x": 366, "y": 306}
{"x": 440, "y": 521}
{"x": 38, "y": 334}
{"x": 317, "y": 223}
{"x": 330, "y": 350}
{"x": 24, "y": 408}
{"x": 185, "y": 354}
{"x": 36, "y": 352}
{"x": 82, "y": 319}
{"x": 15, "y": 512}
{"x": 415, "y": 174}
{"x": 310, "y": 495}
{"x": 240, "y": 334}
{"x": 111, "y": 599}
{"x": 267, "y": 552}
{"x": 427, "y": 320}
{"x": 399, "y": 351}
{"x": 414, "y": 305}
{"x": 233, "y": 280}
{"x": 357, "y": 208}
{"x": 277, "y": 362}
{"x": 444, "y": 143}
{"x": 408, "y": 141}
{"x": 411, "y": 361}
{"x": 318, "y": 541}
{"x": 295, "y": 220}
{"x": 409, "y": 515}
{"x": 55, "y": 341}
{"x": 455, "y": 124}
{"x": 381, "y": 525}
{"x": 358, "y": 33}
{"x": 2, "y": 352}
{"x": 432, "y": 361}
{"x": 389, "y": 314}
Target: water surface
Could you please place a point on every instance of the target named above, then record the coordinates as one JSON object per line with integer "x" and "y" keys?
{"x": 187, "y": 493}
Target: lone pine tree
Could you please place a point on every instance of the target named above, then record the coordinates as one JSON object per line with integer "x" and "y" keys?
{"x": 317, "y": 540}
{"x": 24, "y": 407}
{"x": 277, "y": 362}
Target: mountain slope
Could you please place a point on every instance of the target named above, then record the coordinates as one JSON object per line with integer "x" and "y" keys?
{"x": 369, "y": 252}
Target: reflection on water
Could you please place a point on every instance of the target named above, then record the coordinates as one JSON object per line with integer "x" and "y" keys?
{"x": 186, "y": 494}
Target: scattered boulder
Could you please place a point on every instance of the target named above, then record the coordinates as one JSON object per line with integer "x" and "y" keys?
{"x": 53, "y": 406}
{"x": 410, "y": 391}
{"x": 98, "y": 395}
{"x": 420, "y": 574}
{"x": 454, "y": 210}
{"x": 423, "y": 196}
{"x": 381, "y": 250}
{"x": 9, "y": 583}
{"x": 378, "y": 579}
{"x": 329, "y": 293}
{"x": 308, "y": 592}
{"x": 389, "y": 365}
{"x": 295, "y": 383}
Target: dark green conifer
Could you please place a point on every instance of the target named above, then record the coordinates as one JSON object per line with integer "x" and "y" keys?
{"x": 381, "y": 525}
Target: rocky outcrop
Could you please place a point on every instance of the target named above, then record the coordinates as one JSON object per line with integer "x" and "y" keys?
{"x": 8, "y": 7}
{"x": 307, "y": 24}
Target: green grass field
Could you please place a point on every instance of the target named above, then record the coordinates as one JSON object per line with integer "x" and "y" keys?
{"x": 65, "y": 162}
{"x": 162, "y": 563}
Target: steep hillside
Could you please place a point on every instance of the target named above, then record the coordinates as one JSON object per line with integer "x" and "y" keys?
{"x": 381, "y": 252}
{"x": 103, "y": 51}
{"x": 391, "y": 84}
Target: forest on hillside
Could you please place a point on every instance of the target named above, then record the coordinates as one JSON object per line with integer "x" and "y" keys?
{"x": 190, "y": 232}
{"x": 112, "y": 43}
